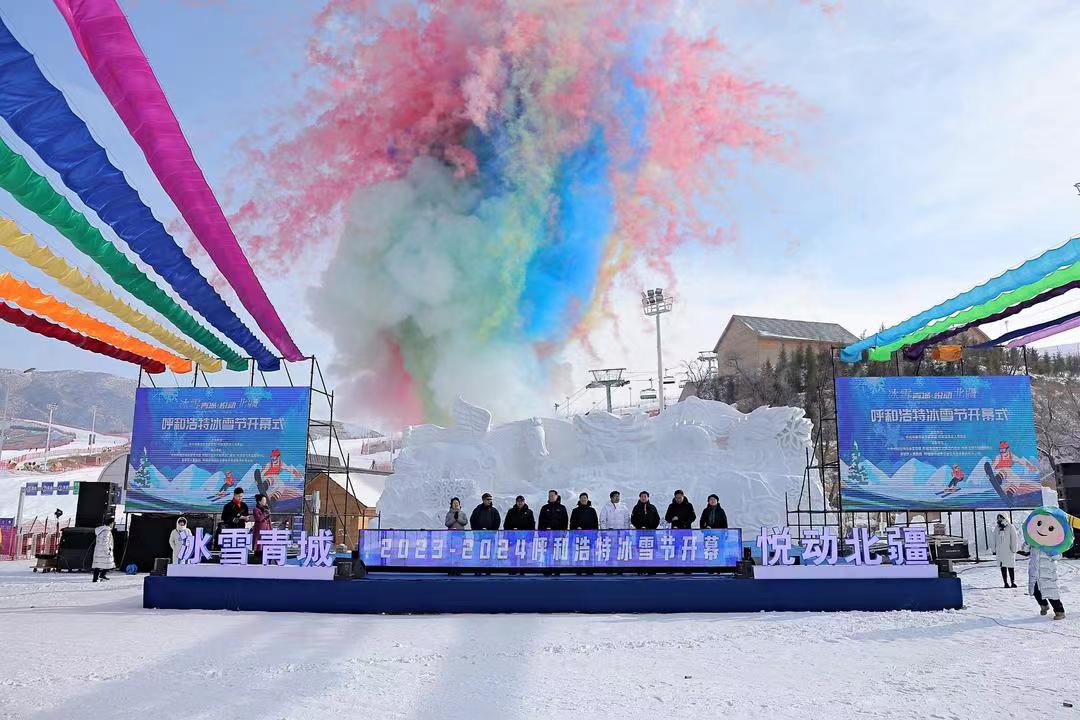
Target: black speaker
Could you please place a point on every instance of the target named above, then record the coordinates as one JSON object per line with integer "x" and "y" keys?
{"x": 76, "y": 550}
{"x": 97, "y": 500}
{"x": 149, "y": 537}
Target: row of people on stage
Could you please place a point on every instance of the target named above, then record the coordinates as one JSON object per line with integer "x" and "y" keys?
{"x": 614, "y": 515}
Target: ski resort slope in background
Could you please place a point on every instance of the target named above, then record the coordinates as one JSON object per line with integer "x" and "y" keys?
{"x": 77, "y": 650}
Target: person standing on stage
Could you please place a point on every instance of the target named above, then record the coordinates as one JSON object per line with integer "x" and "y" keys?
{"x": 645, "y": 515}
{"x": 178, "y": 537}
{"x": 262, "y": 520}
{"x": 104, "y": 558}
{"x": 520, "y": 516}
{"x": 614, "y": 515}
{"x": 680, "y": 513}
{"x": 485, "y": 516}
{"x": 553, "y": 515}
{"x": 713, "y": 516}
{"x": 584, "y": 515}
{"x": 235, "y": 513}
{"x": 455, "y": 516}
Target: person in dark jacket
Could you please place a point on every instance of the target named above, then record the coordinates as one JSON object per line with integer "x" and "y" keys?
{"x": 680, "y": 513}
{"x": 645, "y": 516}
{"x": 584, "y": 515}
{"x": 485, "y": 516}
{"x": 553, "y": 515}
{"x": 235, "y": 513}
{"x": 520, "y": 516}
{"x": 713, "y": 516}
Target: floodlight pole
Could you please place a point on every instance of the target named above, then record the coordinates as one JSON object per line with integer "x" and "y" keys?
{"x": 48, "y": 435}
{"x": 654, "y": 302}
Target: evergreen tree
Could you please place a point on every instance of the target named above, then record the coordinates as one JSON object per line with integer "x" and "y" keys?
{"x": 857, "y": 473}
{"x": 142, "y": 475}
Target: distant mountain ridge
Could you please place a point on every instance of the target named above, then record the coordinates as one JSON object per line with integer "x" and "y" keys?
{"x": 73, "y": 392}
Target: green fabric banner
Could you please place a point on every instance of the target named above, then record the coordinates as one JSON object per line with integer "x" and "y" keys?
{"x": 36, "y": 194}
{"x": 1005, "y": 300}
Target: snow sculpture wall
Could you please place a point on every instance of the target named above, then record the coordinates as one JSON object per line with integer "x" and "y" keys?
{"x": 700, "y": 446}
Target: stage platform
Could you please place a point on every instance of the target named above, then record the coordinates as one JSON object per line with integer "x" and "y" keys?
{"x": 420, "y": 593}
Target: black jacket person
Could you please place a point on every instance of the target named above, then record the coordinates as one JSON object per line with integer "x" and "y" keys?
{"x": 485, "y": 516}
{"x": 680, "y": 513}
{"x": 584, "y": 515}
{"x": 645, "y": 516}
{"x": 235, "y": 513}
{"x": 553, "y": 516}
{"x": 519, "y": 516}
{"x": 713, "y": 516}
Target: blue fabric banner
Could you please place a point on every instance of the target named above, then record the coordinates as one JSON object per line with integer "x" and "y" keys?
{"x": 38, "y": 112}
{"x": 1029, "y": 272}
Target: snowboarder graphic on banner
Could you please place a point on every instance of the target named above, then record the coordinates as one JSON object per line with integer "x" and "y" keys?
{"x": 1004, "y": 478}
{"x": 268, "y": 479}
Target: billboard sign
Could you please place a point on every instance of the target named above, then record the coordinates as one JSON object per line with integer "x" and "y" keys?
{"x": 63, "y": 487}
{"x": 47, "y": 487}
{"x": 943, "y": 443}
{"x": 529, "y": 549}
{"x": 31, "y": 488}
{"x": 192, "y": 447}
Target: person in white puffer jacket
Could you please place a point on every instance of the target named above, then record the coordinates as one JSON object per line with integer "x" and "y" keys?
{"x": 103, "y": 550}
{"x": 614, "y": 515}
{"x": 178, "y": 537}
{"x": 1006, "y": 542}
{"x": 1048, "y": 532}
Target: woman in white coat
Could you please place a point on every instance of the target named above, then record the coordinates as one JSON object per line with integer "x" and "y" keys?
{"x": 178, "y": 537}
{"x": 1006, "y": 542}
{"x": 103, "y": 550}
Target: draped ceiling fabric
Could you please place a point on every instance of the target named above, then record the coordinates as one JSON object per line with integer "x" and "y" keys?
{"x": 1029, "y": 272}
{"x": 915, "y": 352}
{"x": 59, "y": 332}
{"x": 35, "y": 194}
{"x": 122, "y": 71}
{"x": 37, "y": 302}
{"x": 1056, "y": 279}
{"x": 1060, "y": 325}
{"x": 40, "y": 115}
{"x": 41, "y": 257}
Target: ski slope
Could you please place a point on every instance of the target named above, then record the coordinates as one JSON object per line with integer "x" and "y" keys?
{"x": 109, "y": 658}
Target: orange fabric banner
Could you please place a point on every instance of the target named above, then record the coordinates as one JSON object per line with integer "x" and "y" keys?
{"x": 35, "y": 301}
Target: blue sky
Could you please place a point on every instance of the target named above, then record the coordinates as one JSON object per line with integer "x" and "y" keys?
{"x": 941, "y": 149}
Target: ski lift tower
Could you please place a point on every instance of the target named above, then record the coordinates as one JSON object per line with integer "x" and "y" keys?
{"x": 607, "y": 379}
{"x": 655, "y": 303}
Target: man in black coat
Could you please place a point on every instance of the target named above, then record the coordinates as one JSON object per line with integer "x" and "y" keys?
{"x": 485, "y": 516}
{"x": 235, "y": 513}
{"x": 680, "y": 513}
{"x": 520, "y": 516}
{"x": 584, "y": 515}
{"x": 713, "y": 516}
{"x": 645, "y": 516}
{"x": 553, "y": 515}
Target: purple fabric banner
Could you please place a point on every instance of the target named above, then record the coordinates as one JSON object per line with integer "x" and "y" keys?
{"x": 121, "y": 69}
{"x": 1044, "y": 333}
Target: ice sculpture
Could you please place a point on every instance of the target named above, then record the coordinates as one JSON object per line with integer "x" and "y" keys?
{"x": 700, "y": 446}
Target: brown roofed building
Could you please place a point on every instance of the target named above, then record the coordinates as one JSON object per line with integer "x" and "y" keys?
{"x": 750, "y": 341}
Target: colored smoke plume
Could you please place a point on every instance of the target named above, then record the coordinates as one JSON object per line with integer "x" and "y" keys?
{"x": 481, "y": 172}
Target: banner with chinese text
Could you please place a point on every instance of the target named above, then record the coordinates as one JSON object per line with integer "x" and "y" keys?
{"x": 937, "y": 443}
{"x": 192, "y": 447}
{"x": 589, "y": 549}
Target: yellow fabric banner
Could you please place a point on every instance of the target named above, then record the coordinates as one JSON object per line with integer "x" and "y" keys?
{"x": 41, "y": 257}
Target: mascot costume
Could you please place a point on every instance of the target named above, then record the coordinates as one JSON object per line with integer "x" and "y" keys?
{"x": 1048, "y": 531}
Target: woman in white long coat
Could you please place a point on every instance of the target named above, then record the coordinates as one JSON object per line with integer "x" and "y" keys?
{"x": 178, "y": 537}
{"x": 103, "y": 550}
{"x": 1006, "y": 542}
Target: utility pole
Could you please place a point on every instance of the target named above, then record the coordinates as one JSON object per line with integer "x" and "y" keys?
{"x": 48, "y": 435}
{"x": 655, "y": 303}
{"x": 607, "y": 379}
{"x": 93, "y": 425}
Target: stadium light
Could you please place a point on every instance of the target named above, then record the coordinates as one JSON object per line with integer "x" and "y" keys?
{"x": 655, "y": 303}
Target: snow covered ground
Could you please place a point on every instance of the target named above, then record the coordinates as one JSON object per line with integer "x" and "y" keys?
{"x": 74, "y": 650}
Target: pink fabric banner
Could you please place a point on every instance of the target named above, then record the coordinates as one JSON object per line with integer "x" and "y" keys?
{"x": 121, "y": 69}
{"x": 1044, "y": 333}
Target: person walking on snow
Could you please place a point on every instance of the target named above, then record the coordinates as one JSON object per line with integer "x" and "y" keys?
{"x": 614, "y": 515}
{"x": 103, "y": 550}
{"x": 1048, "y": 532}
{"x": 1006, "y": 542}
{"x": 178, "y": 537}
